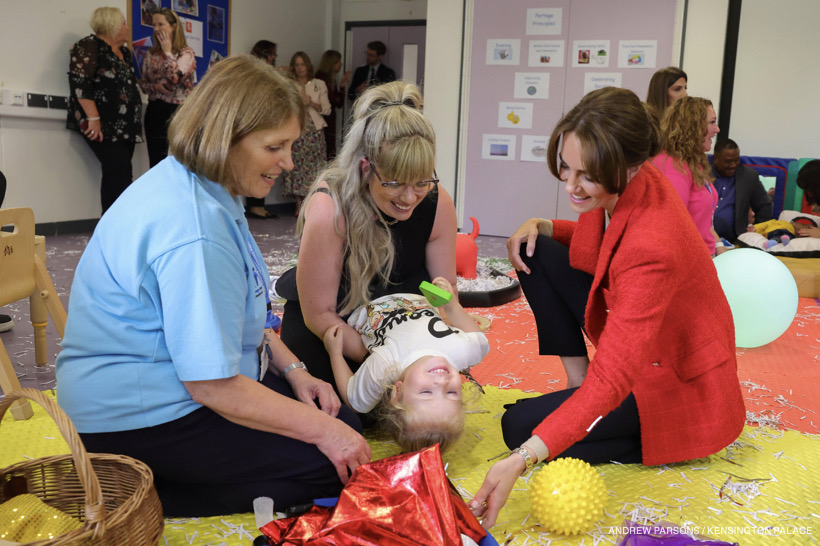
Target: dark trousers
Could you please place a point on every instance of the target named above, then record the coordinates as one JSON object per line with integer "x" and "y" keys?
{"x": 724, "y": 230}
{"x": 616, "y": 437}
{"x": 158, "y": 115}
{"x": 557, "y": 294}
{"x": 205, "y": 465}
{"x": 115, "y": 160}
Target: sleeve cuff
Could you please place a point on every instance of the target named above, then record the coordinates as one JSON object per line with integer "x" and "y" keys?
{"x": 537, "y": 446}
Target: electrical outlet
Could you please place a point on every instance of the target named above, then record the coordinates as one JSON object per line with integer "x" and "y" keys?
{"x": 17, "y": 98}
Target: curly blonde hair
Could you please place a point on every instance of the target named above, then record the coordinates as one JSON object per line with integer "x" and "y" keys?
{"x": 389, "y": 129}
{"x": 683, "y": 129}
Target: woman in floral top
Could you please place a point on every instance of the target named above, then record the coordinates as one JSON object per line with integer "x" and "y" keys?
{"x": 168, "y": 75}
{"x": 104, "y": 104}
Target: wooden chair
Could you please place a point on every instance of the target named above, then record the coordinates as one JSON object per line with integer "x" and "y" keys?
{"x": 23, "y": 274}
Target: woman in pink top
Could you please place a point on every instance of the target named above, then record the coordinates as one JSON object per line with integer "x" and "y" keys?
{"x": 688, "y": 127}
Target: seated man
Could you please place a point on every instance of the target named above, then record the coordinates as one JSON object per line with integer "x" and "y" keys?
{"x": 808, "y": 180}
{"x": 739, "y": 189}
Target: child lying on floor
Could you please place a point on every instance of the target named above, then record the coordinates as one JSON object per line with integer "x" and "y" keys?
{"x": 413, "y": 367}
{"x": 781, "y": 231}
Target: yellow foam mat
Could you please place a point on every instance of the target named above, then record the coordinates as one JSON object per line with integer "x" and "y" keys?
{"x": 711, "y": 496}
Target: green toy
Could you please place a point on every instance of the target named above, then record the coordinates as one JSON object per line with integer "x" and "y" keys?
{"x": 435, "y": 295}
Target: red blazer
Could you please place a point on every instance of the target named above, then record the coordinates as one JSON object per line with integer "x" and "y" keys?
{"x": 661, "y": 326}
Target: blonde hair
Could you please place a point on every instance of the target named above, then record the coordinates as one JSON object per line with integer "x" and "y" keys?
{"x": 328, "y": 61}
{"x": 388, "y": 128}
{"x": 106, "y": 21}
{"x": 616, "y": 131}
{"x": 178, "y": 41}
{"x": 237, "y": 96}
{"x": 305, "y": 59}
{"x": 683, "y": 129}
{"x": 413, "y": 431}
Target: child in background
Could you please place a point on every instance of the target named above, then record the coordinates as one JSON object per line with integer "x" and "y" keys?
{"x": 781, "y": 231}
{"x": 413, "y": 367}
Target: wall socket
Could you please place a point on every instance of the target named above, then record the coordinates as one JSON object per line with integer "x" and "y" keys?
{"x": 17, "y": 98}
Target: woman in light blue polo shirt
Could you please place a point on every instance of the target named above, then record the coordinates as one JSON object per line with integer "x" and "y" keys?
{"x": 168, "y": 310}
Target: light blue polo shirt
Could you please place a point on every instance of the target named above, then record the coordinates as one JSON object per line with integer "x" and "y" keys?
{"x": 166, "y": 291}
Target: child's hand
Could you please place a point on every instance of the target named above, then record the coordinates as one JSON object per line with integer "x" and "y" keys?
{"x": 444, "y": 284}
{"x": 334, "y": 340}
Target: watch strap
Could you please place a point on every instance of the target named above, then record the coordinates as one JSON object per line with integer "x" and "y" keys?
{"x": 292, "y": 367}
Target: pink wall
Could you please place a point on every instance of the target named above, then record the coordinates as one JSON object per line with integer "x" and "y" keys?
{"x": 502, "y": 194}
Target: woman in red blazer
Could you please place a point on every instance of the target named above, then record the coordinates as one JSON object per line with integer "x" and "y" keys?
{"x": 662, "y": 386}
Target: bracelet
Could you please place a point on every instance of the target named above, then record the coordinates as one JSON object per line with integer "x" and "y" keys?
{"x": 292, "y": 367}
{"x": 93, "y": 119}
{"x": 528, "y": 462}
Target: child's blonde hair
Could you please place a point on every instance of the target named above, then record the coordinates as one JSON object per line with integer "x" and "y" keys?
{"x": 414, "y": 432}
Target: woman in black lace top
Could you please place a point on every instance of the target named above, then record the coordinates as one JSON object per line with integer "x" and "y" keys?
{"x": 104, "y": 104}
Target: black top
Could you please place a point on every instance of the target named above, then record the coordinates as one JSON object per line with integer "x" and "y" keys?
{"x": 410, "y": 239}
{"x": 96, "y": 73}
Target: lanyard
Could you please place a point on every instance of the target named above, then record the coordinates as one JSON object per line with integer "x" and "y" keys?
{"x": 258, "y": 273}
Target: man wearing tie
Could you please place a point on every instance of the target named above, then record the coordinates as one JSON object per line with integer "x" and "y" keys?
{"x": 373, "y": 73}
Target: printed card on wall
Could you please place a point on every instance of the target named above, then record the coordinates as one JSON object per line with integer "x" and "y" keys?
{"x": 534, "y": 148}
{"x": 597, "y": 80}
{"x": 544, "y": 20}
{"x": 498, "y": 147}
{"x": 503, "y": 51}
{"x": 637, "y": 53}
{"x": 590, "y": 53}
{"x": 193, "y": 34}
{"x": 546, "y": 53}
{"x": 532, "y": 85}
{"x": 514, "y": 115}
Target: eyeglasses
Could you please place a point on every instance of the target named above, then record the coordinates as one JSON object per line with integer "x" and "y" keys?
{"x": 421, "y": 187}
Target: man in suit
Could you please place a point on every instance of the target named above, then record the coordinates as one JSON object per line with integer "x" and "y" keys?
{"x": 739, "y": 189}
{"x": 373, "y": 73}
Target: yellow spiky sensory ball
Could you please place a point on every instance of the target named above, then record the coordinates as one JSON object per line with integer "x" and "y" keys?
{"x": 568, "y": 496}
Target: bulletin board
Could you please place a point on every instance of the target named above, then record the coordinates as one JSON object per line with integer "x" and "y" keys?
{"x": 206, "y": 24}
{"x": 530, "y": 62}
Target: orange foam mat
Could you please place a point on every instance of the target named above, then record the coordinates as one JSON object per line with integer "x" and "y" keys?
{"x": 780, "y": 380}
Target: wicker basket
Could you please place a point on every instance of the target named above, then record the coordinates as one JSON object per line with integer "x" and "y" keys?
{"x": 113, "y": 495}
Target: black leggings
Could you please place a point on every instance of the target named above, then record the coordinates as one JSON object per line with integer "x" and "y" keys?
{"x": 205, "y": 465}
{"x": 557, "y": 294}
{"x": 115, "y": 160}
{"x": 158, "y": 115}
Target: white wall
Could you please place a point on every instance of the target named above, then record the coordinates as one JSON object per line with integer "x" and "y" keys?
{"x": 704, "y": 41}
{"x": 776, "y": 97}
{"x": 442, "y": 75}
{"x": 51, "y": 169}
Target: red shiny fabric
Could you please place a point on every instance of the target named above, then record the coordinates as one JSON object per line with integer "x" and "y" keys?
{"x": 404, "y": 500}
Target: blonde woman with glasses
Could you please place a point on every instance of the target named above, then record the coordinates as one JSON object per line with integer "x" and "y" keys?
{"x": 376, "y": 222}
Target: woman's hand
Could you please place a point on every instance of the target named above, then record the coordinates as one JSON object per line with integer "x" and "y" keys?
{"x": 808, "y": 231}
{"x": 495, "y": 490}
{"x": 346, "y": 448}
{"x": 165, "y": 42}
{"x": 526, "y": 233}
{"x": 308, "y": 389}
{"x": 345, "y": 79}
{"x": 94, "y": 130}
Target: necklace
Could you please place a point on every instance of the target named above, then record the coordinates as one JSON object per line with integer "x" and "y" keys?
{"x": 391, "y": 222}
